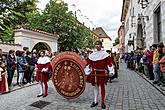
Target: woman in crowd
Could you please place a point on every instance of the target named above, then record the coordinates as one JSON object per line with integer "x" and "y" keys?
{"x": 22, "y": 65}
{"x": 11, "y": 66}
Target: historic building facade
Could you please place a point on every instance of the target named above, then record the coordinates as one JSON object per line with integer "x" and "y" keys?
{"x": 144, "y": 23}
{"x": 121, "y": 36}
{"x": 101, "y": 35}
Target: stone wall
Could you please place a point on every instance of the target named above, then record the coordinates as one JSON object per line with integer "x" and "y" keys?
{"x": 6, "y": 46}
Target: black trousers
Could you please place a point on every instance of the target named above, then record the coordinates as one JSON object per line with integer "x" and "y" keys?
{"x": 10, "y": 76}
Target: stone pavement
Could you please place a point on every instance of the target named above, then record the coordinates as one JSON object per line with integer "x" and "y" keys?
{"x": 159, "y": 88}
{"x": 129, "y": 92}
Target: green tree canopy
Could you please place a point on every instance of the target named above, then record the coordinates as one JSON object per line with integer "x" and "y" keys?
{"x": 116, "y": 41}
{"x": 12, "y": 13}
{"x": 56, "y": 18}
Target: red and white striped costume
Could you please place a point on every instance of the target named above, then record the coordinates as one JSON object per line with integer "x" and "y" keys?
{"x": 3, "y": 81}
{"x": 43, "y": 69}
{"x": 97, "y": 64}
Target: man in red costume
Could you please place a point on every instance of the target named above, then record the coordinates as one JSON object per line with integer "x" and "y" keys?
{"x": 99, "y": 66}
{"x": 42, "y": 76}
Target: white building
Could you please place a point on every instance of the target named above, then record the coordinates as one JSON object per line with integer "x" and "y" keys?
{"x": 26, "y": 37}
{"x": 144, "y": 23}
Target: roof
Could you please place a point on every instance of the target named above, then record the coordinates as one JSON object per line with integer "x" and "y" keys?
{"x": 124, "y": 9}
{"x": 116, "y": 46}
{"x": 101, "y": 33}
{"x": 35, "y": 30}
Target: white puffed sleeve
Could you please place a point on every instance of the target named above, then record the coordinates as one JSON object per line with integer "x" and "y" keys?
{"x": 44, "y": 69}
{"x": 87, "y": 70}
{"x": 1, "y": 72}
{"x": 111, "y": 70}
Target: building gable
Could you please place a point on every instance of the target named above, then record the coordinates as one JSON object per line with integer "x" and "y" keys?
{"x": 101, "y": 33}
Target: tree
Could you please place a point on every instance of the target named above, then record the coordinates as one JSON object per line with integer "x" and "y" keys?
{"x": 116, "y": 41}
{"x": 56, "y": 18}
{"x": 12, "y": 13}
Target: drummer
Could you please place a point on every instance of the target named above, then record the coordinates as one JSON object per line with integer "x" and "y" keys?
{"x": 97, "y": 65}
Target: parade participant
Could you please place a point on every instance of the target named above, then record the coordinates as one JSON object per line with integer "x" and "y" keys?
{"x": 3, "y": 79}
{"x": 97, "y": 65}
{"x": 43, "y": 67}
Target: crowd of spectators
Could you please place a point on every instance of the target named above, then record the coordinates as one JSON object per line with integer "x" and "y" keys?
{"x": 147, "y": 62}
{"x": 20, "y": 64}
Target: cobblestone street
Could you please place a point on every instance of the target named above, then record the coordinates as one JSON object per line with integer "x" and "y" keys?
{"x": 128, "y": 92}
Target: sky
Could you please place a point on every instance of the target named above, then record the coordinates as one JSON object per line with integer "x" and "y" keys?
{"x": 96, "y": 13}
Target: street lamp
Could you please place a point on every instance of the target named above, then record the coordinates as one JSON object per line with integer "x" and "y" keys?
{"x": 74, "y": 9}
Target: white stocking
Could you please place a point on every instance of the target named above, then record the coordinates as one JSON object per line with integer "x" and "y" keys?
{"x": 96, "y": 92}
{"x": 41, "y": 88}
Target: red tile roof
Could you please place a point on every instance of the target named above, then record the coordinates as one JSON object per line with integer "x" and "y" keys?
{"x": 35, "y": 30}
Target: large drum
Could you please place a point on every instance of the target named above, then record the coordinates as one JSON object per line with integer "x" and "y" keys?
{"x": 68, "y": 74}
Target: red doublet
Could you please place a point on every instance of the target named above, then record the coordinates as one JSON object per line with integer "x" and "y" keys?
{"x": 99, "y": 64}
{"x": 43, "y": 77}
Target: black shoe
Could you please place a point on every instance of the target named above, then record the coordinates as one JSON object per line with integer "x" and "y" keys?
{"x": 155, "y": 82}
{"x": 45, "y": 95}
{"x": 39, "y": 95}
{"x": 158, "y": 84}
{"x": 103, "y": 106}
{"x": 94, "y": 104}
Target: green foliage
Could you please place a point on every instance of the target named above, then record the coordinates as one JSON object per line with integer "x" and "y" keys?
{"x": 57, "y": 19}
{"x": 12, "y": 13}
{"x": 116, "y": 41}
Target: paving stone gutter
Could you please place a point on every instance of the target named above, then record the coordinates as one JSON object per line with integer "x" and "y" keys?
{"x": 150, "y": 81}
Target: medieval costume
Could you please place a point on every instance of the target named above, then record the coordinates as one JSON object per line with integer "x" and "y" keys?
{"x": 42, "y": 76}
{"x": 3, "y": 80}
{"x": 99, "y": 67}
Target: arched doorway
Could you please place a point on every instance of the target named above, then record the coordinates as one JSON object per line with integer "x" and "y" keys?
{"x": 41, "y": 46}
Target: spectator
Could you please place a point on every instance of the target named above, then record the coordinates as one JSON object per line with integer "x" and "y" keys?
{"x": 145, "y": 64}
{"x": 149, "y": 56}
{"x": 31, "y": 65}
{"x": 22, "y": 65}
{"x": 162, "y": 63}
{"x": 26, "y": 73}
{"x": 11, "y": 66}
{"x": 155, "y": 64}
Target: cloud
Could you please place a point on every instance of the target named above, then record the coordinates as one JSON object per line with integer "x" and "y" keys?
{"x": 104, "y": 13}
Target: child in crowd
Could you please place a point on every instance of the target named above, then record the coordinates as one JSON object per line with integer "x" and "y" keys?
{"x": 3, "y": 78}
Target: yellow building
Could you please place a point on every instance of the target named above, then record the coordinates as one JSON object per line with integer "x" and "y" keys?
{"x": 106, "y": 40}
{"x": 59, "y": 1}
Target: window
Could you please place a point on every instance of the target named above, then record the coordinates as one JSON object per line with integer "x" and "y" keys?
{"x": 127, "y": 26}
{"x": 102, "y": 40}
{"x": 157, "y": 25}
